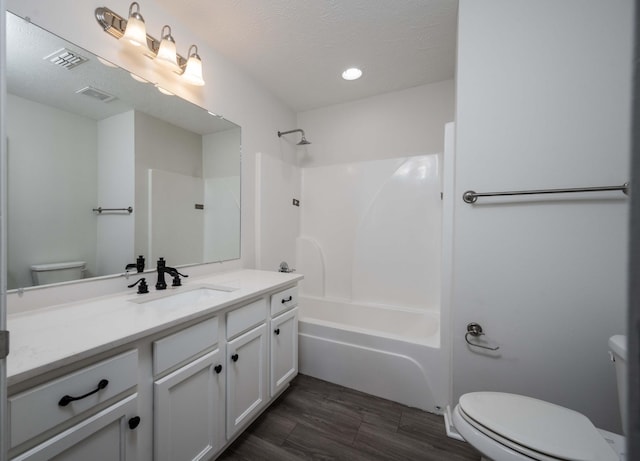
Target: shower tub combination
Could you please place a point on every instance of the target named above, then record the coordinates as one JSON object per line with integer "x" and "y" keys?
{"x": 393, "y": 353}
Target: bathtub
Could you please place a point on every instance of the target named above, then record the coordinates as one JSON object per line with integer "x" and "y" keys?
{"x": 389, "y": 352}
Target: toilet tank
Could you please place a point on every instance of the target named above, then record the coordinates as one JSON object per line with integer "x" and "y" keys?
{"x": 43, "y": 274}
{"x": 618, "y": 350}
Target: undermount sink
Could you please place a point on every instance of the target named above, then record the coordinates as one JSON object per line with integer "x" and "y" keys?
{"x": 183, "y": 298}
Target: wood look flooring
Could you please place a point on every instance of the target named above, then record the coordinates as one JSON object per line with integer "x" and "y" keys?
{"x": 317, "y": 420}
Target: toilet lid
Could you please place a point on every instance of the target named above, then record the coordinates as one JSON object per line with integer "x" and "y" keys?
{"x": 537, "y": 425}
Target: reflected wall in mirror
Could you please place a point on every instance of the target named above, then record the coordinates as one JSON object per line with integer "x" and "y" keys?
{"x": 86, "y": 135}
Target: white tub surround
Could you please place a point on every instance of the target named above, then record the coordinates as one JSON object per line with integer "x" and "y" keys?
{"x": 389, "y": 352}
{"x": 370, "y": 249}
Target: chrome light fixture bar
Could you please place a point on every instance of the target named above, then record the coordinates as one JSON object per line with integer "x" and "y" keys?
{"x": 115, "y": 25}
{"x": 162, "y": 51}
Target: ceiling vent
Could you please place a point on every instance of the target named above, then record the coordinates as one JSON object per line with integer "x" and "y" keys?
{"x": 96, "y": 94}
{"x": 66, "y": 58}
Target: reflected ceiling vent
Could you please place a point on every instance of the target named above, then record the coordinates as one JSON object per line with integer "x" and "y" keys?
{"x": 96, "y": 94}
{"x": 65, "y": 58}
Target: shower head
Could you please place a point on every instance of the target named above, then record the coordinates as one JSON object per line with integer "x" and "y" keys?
{"x": 303, "y": 141}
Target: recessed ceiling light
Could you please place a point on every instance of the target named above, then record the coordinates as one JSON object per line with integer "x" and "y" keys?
{"x": 352, "y": 74}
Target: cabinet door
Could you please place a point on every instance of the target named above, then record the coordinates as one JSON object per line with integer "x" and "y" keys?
{"x": 246, "y": 377}
{"x": 106, "y": 436}
{"x": 284, "y": 350}
{"x": 188, "y": 414}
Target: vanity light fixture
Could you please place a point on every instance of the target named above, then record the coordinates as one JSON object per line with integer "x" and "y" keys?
{"x": 193, "y": 72}
{"x": 162, "y": 51}
{"x": 136, "y": 31}
{"x": 352, "y": 73}
{"x": 167, "y": 55}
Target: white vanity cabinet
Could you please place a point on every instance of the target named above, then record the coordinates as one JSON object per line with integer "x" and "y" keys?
{"x": 183, "y": 390}
{"x": 104, "y": 436}
{"x": 284, "y": 350}
{"x": 69, "y": 414}
{"x": 284, "y": 339}
{"x": 247, "y": 372}
{"x": 188, "y": 410}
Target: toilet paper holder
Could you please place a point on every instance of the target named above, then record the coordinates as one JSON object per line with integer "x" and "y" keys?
{"x": 475, "y": 329}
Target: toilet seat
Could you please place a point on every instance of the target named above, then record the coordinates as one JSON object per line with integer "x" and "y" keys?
{"x": 530, "y": 428}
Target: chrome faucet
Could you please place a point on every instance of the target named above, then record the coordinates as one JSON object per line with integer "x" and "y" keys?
{"x": 162, "y": 269}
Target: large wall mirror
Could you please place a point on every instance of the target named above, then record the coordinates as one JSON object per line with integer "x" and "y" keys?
{"x": 84, "y": 135}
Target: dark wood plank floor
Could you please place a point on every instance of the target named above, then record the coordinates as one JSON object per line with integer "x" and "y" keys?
{"x": 317, "y": 420}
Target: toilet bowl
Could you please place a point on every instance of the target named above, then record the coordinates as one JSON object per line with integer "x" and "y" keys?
{"x": 510, "y": 427}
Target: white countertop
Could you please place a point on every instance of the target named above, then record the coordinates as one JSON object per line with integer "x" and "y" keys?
{"x": 47, "y": 338}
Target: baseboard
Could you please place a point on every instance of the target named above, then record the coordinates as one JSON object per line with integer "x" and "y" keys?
{"x": 449, "y": 427}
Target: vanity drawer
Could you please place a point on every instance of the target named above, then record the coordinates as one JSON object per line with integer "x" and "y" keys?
{"x": 39, "y": 409}
{"x": 180, "y": 346}
{"x": 244, "y": 318}
{"x": 283, "y": 300}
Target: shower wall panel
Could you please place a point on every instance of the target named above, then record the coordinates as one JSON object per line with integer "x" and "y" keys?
{"x": 375, "y": 228}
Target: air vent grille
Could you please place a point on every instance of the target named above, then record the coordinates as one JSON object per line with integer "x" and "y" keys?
{"x": 65, "y": 58}
{"x": 96, "y": 94}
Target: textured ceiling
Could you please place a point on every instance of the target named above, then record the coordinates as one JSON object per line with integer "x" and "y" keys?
{"x": 298, "y": 48}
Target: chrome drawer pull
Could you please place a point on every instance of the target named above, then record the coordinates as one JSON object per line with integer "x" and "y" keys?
{"x": 67, "y": 399}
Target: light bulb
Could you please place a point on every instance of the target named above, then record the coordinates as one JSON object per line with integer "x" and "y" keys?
{"x": 136, "y": 31}
{"x": 167, "y": 56}
{"x": 193, "y": 72}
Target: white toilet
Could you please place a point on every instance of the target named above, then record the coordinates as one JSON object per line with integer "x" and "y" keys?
{"x": 44, "y": 274}
{"x": 509, "y": 427}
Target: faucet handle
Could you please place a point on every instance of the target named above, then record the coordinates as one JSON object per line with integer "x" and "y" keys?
{"x": 176, "y": 277}
{"x": 142, "y": 288}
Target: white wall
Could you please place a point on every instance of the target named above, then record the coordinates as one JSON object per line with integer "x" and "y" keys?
{"x": 543, "y": 97}
{"x": 396, "y": 124}
{"x": 116, "y": 185}
{"x": 35, "y": 131}
{"x": 228, "y": 90}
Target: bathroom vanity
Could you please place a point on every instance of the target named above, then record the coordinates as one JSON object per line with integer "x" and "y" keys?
{"x": 166, "y": 375}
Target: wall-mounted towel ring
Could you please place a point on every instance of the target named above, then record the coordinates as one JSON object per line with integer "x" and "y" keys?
{"x": 475, "y": 330}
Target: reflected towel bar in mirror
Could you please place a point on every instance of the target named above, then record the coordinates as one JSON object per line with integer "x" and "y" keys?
{"x": 471, "y": 196}
{"x": 99, "y": 210}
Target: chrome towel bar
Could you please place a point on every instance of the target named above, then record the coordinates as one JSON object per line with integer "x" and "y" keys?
{"x": 99, "y": 210}
{"x": 471, "y": 196}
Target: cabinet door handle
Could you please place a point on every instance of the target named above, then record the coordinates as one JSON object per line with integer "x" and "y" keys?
{"x": 134, "y": 422}
{"x": 67, "y": 399}
{"x": 218, "y": 368}
{"x": 277, "y": 331}
{"x": 234, "y": 357}
{"x": 287, "y": 300}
